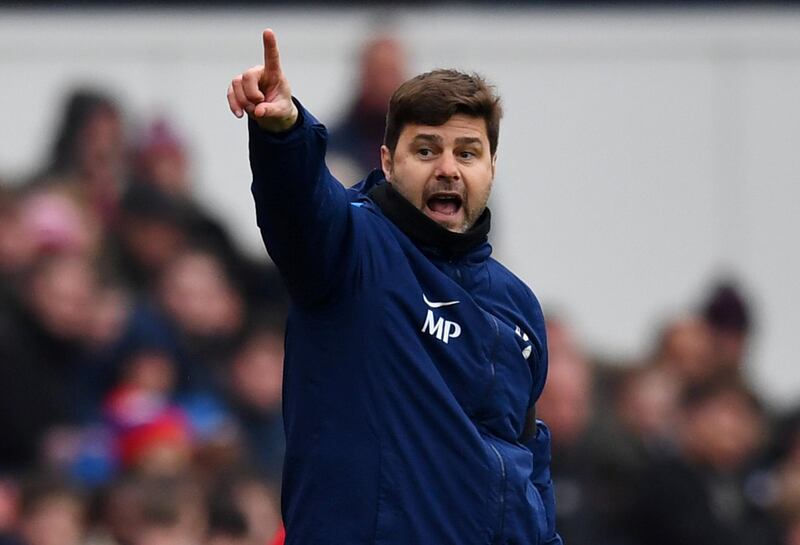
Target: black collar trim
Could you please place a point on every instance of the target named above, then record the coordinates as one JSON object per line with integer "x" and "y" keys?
{"x": 423, "y": 230}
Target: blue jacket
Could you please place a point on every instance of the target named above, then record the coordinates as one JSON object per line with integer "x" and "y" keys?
{"x": 408, "y": 375}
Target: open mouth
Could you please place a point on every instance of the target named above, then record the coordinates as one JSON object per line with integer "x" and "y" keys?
{"x": 446, "y": 204}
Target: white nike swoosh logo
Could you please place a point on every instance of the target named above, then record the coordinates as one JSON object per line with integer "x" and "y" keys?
{"x": 439, "y": 304}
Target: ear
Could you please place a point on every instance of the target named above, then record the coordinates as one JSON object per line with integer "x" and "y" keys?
{"x": 494, "y": 164}
{"x": 386, "y": 163}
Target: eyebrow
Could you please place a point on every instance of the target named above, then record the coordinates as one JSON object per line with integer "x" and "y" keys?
{"x": 467, "y": 140}
{"x": 435, "y": 138}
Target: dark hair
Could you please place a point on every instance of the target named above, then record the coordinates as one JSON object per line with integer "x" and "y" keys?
{"x": 726, "y": 309}
{"x": 699, "y": 395}
{"x": 79, "y": 108}
{"x": 434, "y": 97}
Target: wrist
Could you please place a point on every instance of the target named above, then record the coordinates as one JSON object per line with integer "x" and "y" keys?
{"x": 279, "y": 124}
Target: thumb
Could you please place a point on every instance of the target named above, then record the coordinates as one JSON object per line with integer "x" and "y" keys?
{"x": 266, "y": 109}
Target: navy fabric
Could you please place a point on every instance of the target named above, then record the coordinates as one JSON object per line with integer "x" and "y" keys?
{"x": 408, "y": 376}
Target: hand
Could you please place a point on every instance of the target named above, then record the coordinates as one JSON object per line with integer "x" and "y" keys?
{"x": 263, "y": 91}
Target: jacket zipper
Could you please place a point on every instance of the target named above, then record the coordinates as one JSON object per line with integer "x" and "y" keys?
{"x": 494, "y": 345}
{"x": 503, "y": 478}
{"x": 499, "y": 535}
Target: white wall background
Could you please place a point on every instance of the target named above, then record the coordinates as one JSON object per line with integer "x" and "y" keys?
{"x": 642, "y": 152}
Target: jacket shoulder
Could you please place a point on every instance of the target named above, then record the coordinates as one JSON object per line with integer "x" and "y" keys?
{"x": 507, "y": 281}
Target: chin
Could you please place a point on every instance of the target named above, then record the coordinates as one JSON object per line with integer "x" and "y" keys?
{"x": 456, "y": 223}
{"x": 457, "y": 228}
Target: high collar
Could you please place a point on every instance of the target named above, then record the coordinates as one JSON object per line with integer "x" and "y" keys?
{"x": 423, "y": 230}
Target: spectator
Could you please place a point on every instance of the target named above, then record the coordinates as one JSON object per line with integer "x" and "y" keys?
{"x": 42, "y": 341}
{"x": 254, "y": 502}
{"x": 686, "y": 351}
{"x": 142, "y": 510}
{"x": 354, "y": 142}
{"x": 255, "y": 397}
{"x": 729, "y": 318}
{"x": 52, "y": 512}
{"x": 780, "y": 481}
{"x": 566, "y": 406}
{"x": 172, "y": 514}
{"x": 89, "y": 152}
{"x": 153, "y": 436}
{"x": 697, "y": 496}
{"x": 153, "y": 227}
{"x": 160, "y": 159}
{"x": 161, "y": 173}
{"x": 208, "y": 312}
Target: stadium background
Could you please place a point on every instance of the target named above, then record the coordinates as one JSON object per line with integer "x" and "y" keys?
{"x": 644, "y": 152}
{"x": 647, "y": 152}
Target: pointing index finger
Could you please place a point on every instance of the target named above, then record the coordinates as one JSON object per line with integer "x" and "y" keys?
{"x": 272, "y": 59}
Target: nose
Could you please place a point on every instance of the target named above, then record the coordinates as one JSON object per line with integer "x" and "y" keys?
{"x": 447, "y": 167}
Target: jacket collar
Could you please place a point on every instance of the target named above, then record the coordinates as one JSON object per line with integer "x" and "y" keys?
{"x": 421, "y": 229}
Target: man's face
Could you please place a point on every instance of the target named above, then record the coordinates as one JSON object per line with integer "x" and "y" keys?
{"x": 446, "y": 171}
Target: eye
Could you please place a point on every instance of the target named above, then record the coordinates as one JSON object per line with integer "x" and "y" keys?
{"x": 467, "y": 154}
{"x": 425, "y": 152}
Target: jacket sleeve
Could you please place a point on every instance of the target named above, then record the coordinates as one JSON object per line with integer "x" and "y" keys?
{"x": 302, "y": 211}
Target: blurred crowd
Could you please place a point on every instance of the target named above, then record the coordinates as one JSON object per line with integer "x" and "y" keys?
{"x": 141, "y": 352}
{"x": 676, "y": 447}
{"x": 141, "y": 364}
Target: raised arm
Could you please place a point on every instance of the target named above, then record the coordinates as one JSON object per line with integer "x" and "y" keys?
{"x": 263, "y": 91}
{"x": 303, "y": 212}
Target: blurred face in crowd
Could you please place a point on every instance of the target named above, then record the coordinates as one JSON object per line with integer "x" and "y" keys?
{"x": 168, "y": 170}
{"x": 730, "y": 348}
{"x": 723, "y": 431}
{"x": 445, "y": 171}
{"x": 100, "y": 152}
{"x": 383, "y": 69}
{"x": 151, "y": 242}
{"x": 150, "y": 371}
{"x": 260, "y": 508}
{"x": 109, "y": 316}
{"x": 565, "y": 401}
{"x": 173, "y": 514}
{"x": 161, "y": 160}
{"x": 197, "y": 294}
{"x": 55, "y": 520}
{"x": 258, "y": 371}
{"x": 61, "y": 295}
{"x": 648, "y": 402}
{"x": 687, "y": 349}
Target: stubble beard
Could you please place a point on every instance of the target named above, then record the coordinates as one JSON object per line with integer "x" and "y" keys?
{"x": 470, "y": 215}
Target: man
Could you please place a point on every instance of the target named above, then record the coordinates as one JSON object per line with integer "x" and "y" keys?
{"x": 413, "y": 359}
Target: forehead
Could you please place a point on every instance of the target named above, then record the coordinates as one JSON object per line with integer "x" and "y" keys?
{"x": 458, "y": 126}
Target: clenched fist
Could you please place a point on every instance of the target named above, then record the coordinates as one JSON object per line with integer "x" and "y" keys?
{"x": 263, "y": 91}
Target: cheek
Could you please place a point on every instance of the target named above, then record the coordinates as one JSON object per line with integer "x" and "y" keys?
{"x": 479, "y": 186}
{"x": 409, "y": 179}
